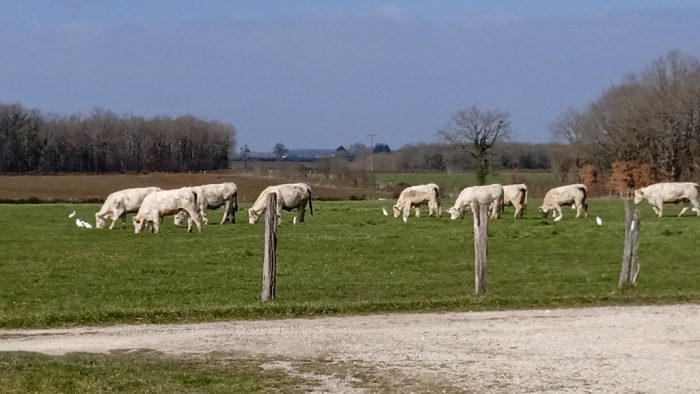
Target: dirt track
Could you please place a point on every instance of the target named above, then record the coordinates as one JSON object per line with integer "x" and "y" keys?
{"x": 617, "y": 349}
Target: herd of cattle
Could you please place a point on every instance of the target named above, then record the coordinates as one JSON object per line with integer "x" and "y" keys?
{"x": 151, "y": 204}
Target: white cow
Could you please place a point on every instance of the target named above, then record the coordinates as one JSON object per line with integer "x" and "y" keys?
{"x": 669, "y": 192}
{"x": 164, "y": 203}
{"x": 491, "y": 195}
{"x": 415, "y": 196}
{"x": 120, "y": 203}
{"x": 516, "y": 195}
{"x": 213, "y": 196}
{"x": 289, "y": 196}
{"x": 575, "y": 194}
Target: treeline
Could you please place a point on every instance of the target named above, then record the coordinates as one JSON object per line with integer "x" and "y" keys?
{"x": 650, "y": 120}
{"x": 445, "y": 157}
{"x": 103, "y": 141}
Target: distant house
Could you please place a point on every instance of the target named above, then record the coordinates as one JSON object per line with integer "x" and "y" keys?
{"x": 342, "y": 153}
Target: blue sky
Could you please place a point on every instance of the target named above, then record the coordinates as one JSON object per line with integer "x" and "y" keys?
{"x": 318, "y": 74}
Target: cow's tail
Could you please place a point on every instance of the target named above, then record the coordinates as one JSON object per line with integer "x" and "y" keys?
{"x": 523, "y": 203}
{"x": 584, "y": 190}
{"x": 235, "y": 201}
{"x": 311, "y": 205}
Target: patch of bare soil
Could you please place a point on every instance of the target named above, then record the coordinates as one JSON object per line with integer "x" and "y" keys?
{"x": 612, "y": 349}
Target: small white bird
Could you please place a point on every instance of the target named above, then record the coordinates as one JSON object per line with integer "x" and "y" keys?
{"x": 87, "y": 225}
{"x": 294, "y": 221}
{"x": 558, "y": 218}
{"x": 71, "y": 215}
{"x": 405, "y": 219}
{"x": 79, "y": 223}
{"x": 385, "y": 212}
{"x": 599, "y": 220}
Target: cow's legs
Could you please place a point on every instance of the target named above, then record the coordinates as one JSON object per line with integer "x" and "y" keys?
{"x": 301, "y": 213}
{"x": 518, "y": 209}
{"x": 193, "y": 218}
{"x": 227, "y": 208}
{"x": 696, "y": 207}
{"x": 116, "y": 214}
{"x": 417, "y": 209}
{"x": 557, "y": 211}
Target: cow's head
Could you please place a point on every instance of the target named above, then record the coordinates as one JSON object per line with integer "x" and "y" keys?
{"x": 253, "y": 216}
{"x": 99, "y": 222}
{"x": 138, "y": 224}
{"x": 397, "y": 210}
{"x": 543, "y": 211}
{"x": 455, "y": 213}
{"x": 638, "y": 196}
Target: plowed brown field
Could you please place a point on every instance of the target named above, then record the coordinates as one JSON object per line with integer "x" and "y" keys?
{"x": 92, "y": 188}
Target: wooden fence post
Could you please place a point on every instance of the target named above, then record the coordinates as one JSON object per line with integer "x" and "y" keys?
{"x": 630, "y": 262}
{"x": 481, "y": 246}
{"x": 269, "y": 279}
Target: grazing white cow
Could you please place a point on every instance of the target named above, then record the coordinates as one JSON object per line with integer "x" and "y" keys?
{"x": 491, "y": 195}
{"x": 213, "y": 196}
{"x": 415, "y": 196}
{"x": 516, "y": 195}
{"x": 669, "y": 192}
{"x": 289, "y": 196}
{"x": 575, "y": 194}
{"x": 120, "y": 203}
{"x": 164, "y": 203}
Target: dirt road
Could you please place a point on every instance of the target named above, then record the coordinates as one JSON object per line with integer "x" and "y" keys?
{"x": 616, "y": 349}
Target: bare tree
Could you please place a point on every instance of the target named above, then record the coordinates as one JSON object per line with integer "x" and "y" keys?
{"x": 476, "y": 132}
{"x": 652, "y": 117}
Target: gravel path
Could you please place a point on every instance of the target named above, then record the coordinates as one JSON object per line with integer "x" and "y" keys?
{"x": 611, "y": 349}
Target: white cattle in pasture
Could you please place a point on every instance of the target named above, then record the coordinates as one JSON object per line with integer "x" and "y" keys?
{"x": 515, "y": 195}
{"x": 575, "y": 194}
{"x": 214, "y": 196}
{"x": 120, "y": 203}
{"x": 669, "y": 192}
{"x": 289, "y": 196}
{"x": 415, "y": 196}
{"x": 164, "y": 203}
{"x": 491, "y": 195}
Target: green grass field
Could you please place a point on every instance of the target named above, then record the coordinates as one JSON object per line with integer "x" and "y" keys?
{"x": 348, "y": 258}
{"x": 139, "y": 372}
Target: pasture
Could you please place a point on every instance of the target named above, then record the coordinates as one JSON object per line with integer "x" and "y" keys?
{"x": 347, "y": 258}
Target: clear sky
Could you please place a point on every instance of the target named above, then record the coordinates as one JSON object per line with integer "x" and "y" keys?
{"x": 320, "y": 73}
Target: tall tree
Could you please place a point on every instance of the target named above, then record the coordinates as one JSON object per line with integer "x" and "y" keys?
{"x": 280, "y": 150}
{"x": 652, "y": 117}
{"x": 476, "y": 132}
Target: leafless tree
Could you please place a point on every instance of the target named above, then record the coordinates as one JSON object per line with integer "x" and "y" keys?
{"x": 652, "y": 117}
{"x": 476, "y": 132}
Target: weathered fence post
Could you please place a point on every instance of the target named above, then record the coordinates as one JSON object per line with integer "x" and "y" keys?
{"x": 630, "y": 263}
{"x": 269, "y": 279}
{"x": 481, "y": 246}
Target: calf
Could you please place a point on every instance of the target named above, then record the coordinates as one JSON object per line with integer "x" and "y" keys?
{"x": 669, "y": 192}
{"x": 164, "y": 203}
{"x": 516, "y": 195}
{"x": 120, "y": 203}
{"x": 289, "y": 196}
{"x": 575, "y": 194}
{"x": 213, "y": 196}
{"x": 491, "y": 195}
{"x": 415, "y": 196}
